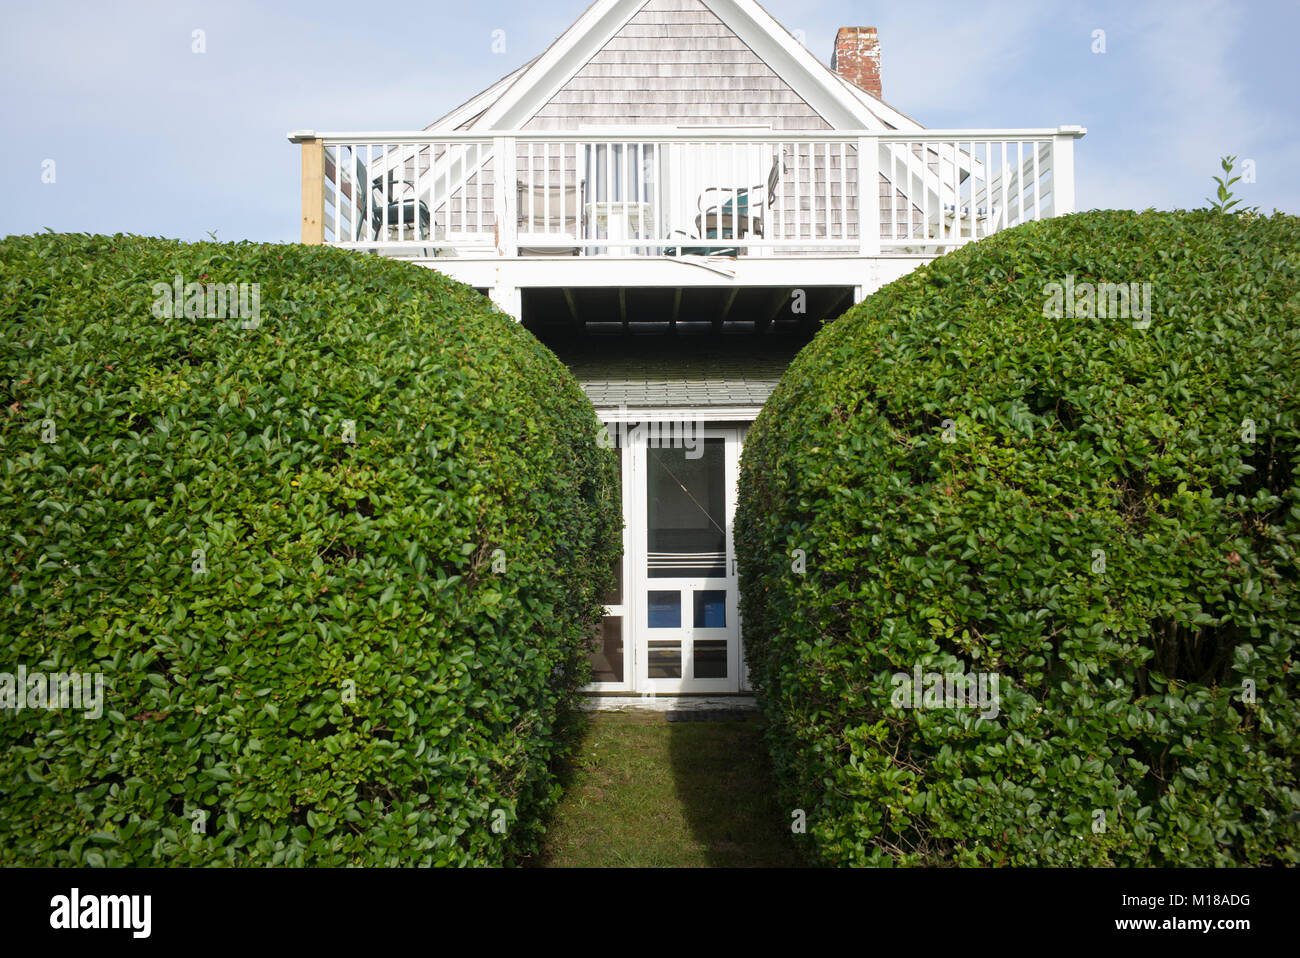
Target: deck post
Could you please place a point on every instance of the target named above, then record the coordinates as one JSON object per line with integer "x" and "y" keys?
{"x": 505, "y": 195}
{"x": 868, "y": 196}
{"x": 1063, "y": 169}
{"x": 313, "y": 186}
{"x": 508, "y": 299}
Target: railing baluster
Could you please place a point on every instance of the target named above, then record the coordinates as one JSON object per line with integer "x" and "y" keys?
{"x": 354, "y": 160}
{"x": 905, "y": 186}
{"x": 390, "y": 188}
{"x": 844, "y": 189}
{"x": 798, "y": 198}
{"x": 464, "y": 189}
{"x": 370, "y": 225}
{"x": 735, "y": 197}
{"x": 1020, "y": 181}
{"x": 381, "y": 164}
{"x": 898, "y": 157}
{"x": 814, "y": 189}
{"x": 417, "y": 177}
{"x": 988, "y": 187}
{"x": 1005, "y": 188}
{"x": 624, "y": 189}
{"x": 338, "y": 188}
{"x": 640, "y": 195}
{"x": 1037, "y": 211}
{"x": 440, "y": 188}
{"x": 1009, "y": 184}
{"x": 746, "y": 156}
{"x": 530, "y": 191}
{"x": 968, "y": 208}
{"x": 780, "y": 191}
{"x": 395, "y": 200}
{"x": 956, "y": 193}
{"x": 546, "y": 179}
{"x": 925, "y": 195}
{"x": 940, "y": 206}
{"x": 830, "y": 190}
{"x": 656, "y": 220}
{"x": 398, "y": 194}
{"x": 805, "y": 195}
{"x": 818, "y": 187}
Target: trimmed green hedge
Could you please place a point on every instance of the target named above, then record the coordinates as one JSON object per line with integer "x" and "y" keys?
{"x": 1076, "y": 506}
{"x": 323, "y": 642}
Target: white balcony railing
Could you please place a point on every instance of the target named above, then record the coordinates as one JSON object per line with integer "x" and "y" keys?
{"x": 626, "y": 193}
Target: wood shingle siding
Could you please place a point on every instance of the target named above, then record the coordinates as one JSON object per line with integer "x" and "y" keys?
{"x": 675, "y": 60}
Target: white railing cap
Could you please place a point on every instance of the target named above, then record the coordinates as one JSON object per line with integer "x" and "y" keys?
{"x": 396, "y": 137}
{"x": 297, "y": 136}
{"x": 1073, "y": 130}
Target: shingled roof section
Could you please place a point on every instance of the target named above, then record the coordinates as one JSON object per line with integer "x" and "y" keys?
{"x": 681, "y": 372}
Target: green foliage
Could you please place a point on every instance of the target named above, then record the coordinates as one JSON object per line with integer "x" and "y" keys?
{"x": 356, "y": 679}
{"x": 1160, "y": 692}
{"x": 1225, "y": 201}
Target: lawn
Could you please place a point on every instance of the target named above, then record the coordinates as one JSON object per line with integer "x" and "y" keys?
{"x": 646, "y": 792}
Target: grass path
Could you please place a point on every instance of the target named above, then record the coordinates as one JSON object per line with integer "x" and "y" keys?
{"x": 646, "y": 792}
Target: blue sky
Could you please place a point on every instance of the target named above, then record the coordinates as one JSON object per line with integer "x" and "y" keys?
{"x": 149, "y": 137}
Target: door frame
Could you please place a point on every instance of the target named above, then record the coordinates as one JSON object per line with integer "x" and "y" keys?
{"x": 633, "y": 610}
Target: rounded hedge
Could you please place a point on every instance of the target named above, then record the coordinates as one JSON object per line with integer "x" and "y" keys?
{"x": 977, "y": 476}
{"x": 336, "y": 558}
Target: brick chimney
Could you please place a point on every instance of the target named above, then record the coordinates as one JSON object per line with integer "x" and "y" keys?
{"x": 857, "y": 57}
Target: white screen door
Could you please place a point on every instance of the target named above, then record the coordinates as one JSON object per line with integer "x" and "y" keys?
{"x": 683, "y": 563}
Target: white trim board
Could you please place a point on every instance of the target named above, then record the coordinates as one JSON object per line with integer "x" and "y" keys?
{"x": 538, "y": 272}
{"x": 709, "y": 414}
{"x": 688, "y": 702}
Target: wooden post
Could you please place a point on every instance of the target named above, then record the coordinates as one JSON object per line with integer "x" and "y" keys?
{"x": 868, "y": 196}
{"x": 313, "y": 191}
{"x": 505, "y": 195}
{"x": 1063, "y": 169}
{"x": 508, "y": 299}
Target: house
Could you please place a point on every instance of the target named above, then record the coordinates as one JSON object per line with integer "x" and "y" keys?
{"x": 671, "y": 196}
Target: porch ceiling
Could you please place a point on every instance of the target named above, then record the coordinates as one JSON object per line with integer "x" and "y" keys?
{"x": 681, "y": 312}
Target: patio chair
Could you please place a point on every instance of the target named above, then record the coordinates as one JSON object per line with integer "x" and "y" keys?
{"x": 540, "y": 235}
{"x": 376, "y": 202}
{"x": 730, "y": 219}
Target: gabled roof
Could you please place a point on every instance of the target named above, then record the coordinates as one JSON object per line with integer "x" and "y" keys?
{"x": 514, "y": 100}
{"x": 472, "y": 108}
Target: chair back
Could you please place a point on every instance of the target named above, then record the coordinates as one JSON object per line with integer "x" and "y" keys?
{"x": 773, "y": 180}
{"x": 565, "y": 210}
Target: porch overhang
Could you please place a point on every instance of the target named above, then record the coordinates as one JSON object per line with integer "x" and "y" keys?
{"x": 557, "y": 272}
